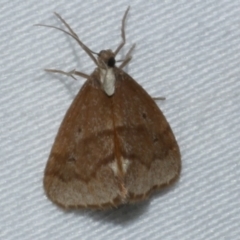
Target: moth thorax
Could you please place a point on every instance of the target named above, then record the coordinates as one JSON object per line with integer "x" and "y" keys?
{"x": 106, "y": 63}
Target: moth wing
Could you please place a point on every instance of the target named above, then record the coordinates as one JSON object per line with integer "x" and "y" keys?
{"x": 150, "y": 153}
{"x": 77, "y": 172}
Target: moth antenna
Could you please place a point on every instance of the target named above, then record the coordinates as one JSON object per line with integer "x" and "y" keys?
{"x": 73, "y": 35}
{"x": 122, "y": 32}
{"x": 128, "y": 57}
{"x": 66, "y": 24}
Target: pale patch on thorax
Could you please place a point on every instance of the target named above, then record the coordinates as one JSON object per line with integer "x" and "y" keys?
{"x": 108, "y": 79}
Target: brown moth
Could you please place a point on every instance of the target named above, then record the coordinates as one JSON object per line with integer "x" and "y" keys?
{"x": 114, "y": 145}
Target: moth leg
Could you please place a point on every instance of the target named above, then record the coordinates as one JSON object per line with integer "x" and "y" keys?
{"x": 158, "y": 98}
{"x": 128, "y": 57}
{"x": 122, "y": 33}
{"x": 69, "y": 74}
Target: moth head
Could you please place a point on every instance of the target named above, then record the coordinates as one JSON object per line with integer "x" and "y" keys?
{"x": 106, "y": 59}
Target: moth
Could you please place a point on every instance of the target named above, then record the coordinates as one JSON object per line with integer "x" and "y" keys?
{"x": 114, "y": 145}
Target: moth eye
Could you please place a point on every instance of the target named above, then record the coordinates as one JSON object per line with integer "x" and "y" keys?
{"x": 155, "y": 139}
{"x": 111, "y": 62}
